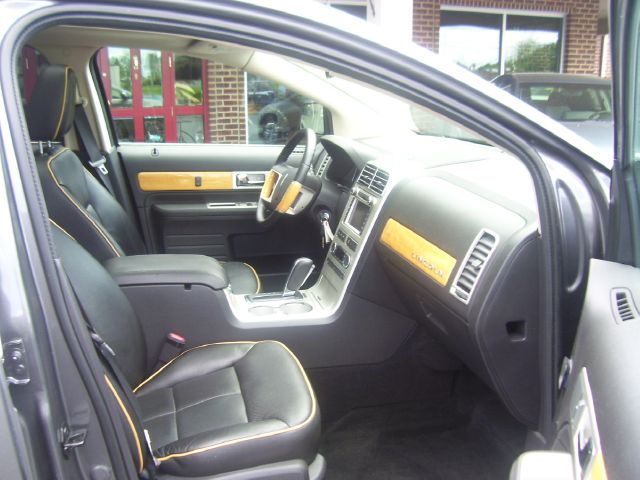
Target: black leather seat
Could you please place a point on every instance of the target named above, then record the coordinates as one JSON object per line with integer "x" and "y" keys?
{"x": 76, "y": 200}
{"x": 215, "y": 408}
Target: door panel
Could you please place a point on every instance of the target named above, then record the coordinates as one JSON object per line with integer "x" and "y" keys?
{"x": 598, "y": 413}
{"x": 202, "y": 199}
{"x": 599, "y": 407}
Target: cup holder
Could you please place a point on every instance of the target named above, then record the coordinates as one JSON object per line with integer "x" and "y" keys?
{"x": 293, "y": 308}
{"x": 262, "y": 310}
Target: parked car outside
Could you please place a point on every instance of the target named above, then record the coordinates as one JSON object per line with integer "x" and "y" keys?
{"x": 260, "y": 92}
{"x": 580, "y": 102}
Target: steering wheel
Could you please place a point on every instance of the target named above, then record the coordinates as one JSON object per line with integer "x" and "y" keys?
{"x": 284, "y": 191}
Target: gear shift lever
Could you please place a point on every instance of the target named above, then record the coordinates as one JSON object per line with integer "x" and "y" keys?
{"x": 299, "y": 273}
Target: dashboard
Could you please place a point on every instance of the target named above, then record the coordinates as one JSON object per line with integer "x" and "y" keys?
{"x": 456, "y": 232}
{"x": 346, "y": 159}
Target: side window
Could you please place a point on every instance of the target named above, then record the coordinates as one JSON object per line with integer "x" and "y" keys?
{"x": 275, "y": 112}
{"x": 162, "y": 97}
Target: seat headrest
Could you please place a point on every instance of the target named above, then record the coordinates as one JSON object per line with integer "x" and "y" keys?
{"x": 51, "y": 109}
{"x": 556, "y": 99}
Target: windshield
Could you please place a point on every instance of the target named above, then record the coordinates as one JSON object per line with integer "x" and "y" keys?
{"x": 430, "y": 123}
{"x": 570, "y": 103}
{"x": 401, "y": 114}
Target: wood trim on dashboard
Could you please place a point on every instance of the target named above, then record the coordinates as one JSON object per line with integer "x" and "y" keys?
{"x": 420, "y": 253}
{"x": 184, "y": 181}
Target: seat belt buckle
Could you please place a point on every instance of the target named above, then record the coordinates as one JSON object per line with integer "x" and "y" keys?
{"x": 100, "y": 165}
{"x": 101, "y": 344}
{"x": 174, "y": 345}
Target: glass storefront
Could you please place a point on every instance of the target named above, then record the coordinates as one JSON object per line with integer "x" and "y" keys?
{"x": 491, "y": 44}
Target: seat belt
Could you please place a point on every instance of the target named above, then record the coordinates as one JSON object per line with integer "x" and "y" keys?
{"x": 108, "y": 357}
{"x": 93, "y": 157}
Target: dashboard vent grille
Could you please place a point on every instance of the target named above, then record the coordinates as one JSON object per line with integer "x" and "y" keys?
{"x": 323, "y": 165}
{"x": 623, "y": 305}
{"x": 367, "y": 174}
{"x": 299, "y": 150}
{"x": 473, "y": 265}
{"x": 373, "y": 178}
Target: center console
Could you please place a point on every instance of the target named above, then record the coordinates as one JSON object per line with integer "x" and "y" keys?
{"x": 350, "y": 233}
{"x": 318, "y": 303}
{"x": 171, "y": 293}
{"x": 166, "y": 269}
{"x": 188, "y": 295}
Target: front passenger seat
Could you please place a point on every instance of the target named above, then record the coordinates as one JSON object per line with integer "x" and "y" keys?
{"x": 75, "y": 199}
{"x": 212, "y": 410}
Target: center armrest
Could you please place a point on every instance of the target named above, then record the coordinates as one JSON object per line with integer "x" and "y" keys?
{"x": 168, "y": 269}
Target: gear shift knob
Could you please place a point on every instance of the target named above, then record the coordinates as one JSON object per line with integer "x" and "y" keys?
{"x": 299, "y": 273}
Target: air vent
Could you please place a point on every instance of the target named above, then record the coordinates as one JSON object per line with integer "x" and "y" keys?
{"x": 366, "y": 175}
{"x": 475, "y": 261}
{"x": 373, "y": 178}
{"x": 623, "y": 306}
{"x": 323, "y": 165}
{"x": 299, "y": 150}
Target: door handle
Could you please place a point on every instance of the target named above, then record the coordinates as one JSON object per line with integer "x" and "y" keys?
{"x": 250, "y": 179}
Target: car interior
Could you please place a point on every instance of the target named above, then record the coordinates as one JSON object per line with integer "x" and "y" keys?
{"x": 360, "y": 301}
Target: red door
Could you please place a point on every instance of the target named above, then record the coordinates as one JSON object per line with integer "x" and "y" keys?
{"x": 155, "y": 96}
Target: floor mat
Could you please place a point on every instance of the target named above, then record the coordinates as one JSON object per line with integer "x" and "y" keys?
{"x": 426, "y": 440}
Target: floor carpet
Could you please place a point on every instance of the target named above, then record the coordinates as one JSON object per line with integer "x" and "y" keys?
{"x": 443, "y": 439}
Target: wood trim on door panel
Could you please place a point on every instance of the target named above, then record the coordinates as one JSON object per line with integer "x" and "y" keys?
{"x": 185, "y": 181}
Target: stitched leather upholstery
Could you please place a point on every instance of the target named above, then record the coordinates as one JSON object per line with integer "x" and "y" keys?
{"x": 83, "y": 207}
{"x": 76, "y": 200}
{"x": 215, "y": 408}
{"x": 50, "y": 111}
{"x": 217, "y": 401}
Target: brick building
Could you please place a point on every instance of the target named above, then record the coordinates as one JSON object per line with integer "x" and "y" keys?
{"x": 580, "y": 43}
{"x": 227, "y": 110}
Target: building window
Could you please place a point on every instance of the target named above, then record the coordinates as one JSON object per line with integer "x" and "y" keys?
{"x": 119, "y": 71}
{"x": 188, "y": 80}
{"x": 492, "y": 44}
{"x": 155, "y": 96}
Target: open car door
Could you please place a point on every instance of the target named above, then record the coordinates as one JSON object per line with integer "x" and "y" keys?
{"x": 597, "y": 416}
